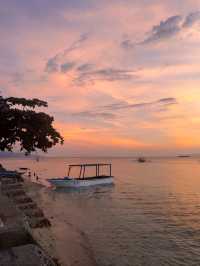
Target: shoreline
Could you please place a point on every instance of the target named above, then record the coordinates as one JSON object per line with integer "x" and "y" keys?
{"x": 17, "y": 244}
{"x": 62, "y": 240}
{"x": 57, "y": 240}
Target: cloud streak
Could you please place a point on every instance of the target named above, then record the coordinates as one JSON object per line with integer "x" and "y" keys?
{"x": 54, "y": 63}
{"x": 191, "y": 19}
{"x": 106, "y": 74}
{"x": 95, "y": 114}
{"x": 108, "y": 112}
{"x": 124, "y": 105}
{"x": 85, "y": 72}
{"x": 67, "y": 67}
{"x": 166, "y": 29}
{"x": 90, "y": 82}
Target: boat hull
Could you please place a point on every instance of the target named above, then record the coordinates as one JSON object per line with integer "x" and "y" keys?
{"x": 76, "y": 183}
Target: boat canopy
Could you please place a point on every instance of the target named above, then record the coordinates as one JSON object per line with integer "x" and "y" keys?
{"x": 97, "y": 166}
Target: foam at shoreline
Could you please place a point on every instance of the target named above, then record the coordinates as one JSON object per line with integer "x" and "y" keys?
{"x": 62, "y": 240}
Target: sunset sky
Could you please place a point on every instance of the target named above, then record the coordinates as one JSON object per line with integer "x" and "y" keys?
{"x": 122, "y": 77}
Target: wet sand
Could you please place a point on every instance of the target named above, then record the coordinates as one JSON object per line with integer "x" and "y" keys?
{"x": 63, "y": 240}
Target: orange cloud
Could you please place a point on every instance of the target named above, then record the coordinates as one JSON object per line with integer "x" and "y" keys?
{"x": 98, "y": 138}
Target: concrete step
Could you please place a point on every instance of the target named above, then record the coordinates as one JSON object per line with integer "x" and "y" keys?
{"x": 22, "y": 199}
{"x": 15, "y": 193}
{"x": 28, "y": 205}
{"x": 6, "y": 187}
{"x": 6, "y": 181}
{"x": 14, "y": 236}
{"x": 27, "y": 255}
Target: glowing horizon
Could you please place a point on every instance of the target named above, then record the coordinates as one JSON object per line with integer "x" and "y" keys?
{"x": 120, "y": 77}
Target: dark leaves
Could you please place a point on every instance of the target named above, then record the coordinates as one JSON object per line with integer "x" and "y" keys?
{"x": 26, "y": 102}
{"x": 32, "y": 130}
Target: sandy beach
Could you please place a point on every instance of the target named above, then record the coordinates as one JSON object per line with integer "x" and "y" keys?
{"x": 63, "y": 240}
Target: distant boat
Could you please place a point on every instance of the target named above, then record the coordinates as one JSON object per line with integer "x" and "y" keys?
{"x": 82, "y": 181}
{"x": 141, "y": 160}
{"x": 183, "y": 156}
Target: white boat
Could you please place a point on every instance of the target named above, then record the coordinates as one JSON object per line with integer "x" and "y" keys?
{"x": 75, "y": 183}
{"x": 83, "y": 181}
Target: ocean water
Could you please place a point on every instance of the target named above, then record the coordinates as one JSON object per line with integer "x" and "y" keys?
{"x": 151, "y": 216}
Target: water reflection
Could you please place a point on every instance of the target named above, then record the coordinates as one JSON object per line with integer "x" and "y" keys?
{"x": 149, "y": 217}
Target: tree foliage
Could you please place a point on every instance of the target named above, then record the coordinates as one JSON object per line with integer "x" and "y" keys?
{"x": 21, "y": 123}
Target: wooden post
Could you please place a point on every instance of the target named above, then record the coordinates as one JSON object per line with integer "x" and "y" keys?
{"x": 80, "y": 172}
{"x": 83, "y": 171}
{"x": 110, "y": 170}
{"x": 98, "y": 169}
{"x": 68, "y": 171}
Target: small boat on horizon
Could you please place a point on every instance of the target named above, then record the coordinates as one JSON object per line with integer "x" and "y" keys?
{"x": 183, "y": 156}
{"x": 141, "y": 160}
{"x": 82, "y": 181}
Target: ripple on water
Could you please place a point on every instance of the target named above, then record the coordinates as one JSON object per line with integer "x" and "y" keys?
{"x": 150, "y": 217}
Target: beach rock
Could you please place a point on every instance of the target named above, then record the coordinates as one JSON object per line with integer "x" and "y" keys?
{"x": 28, "y": 205}
{"x": 33, "y": 212}
{"x": 40, "y": 222}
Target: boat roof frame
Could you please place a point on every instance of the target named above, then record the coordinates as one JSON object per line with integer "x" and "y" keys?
{"x": 96, "y": 165}
{"x": 89, "y": 164}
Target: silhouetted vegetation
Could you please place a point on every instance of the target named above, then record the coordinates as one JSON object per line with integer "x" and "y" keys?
{"x": 21, "y": 123}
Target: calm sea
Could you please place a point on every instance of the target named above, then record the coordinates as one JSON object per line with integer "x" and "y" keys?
{"x": 151, "y": 216}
